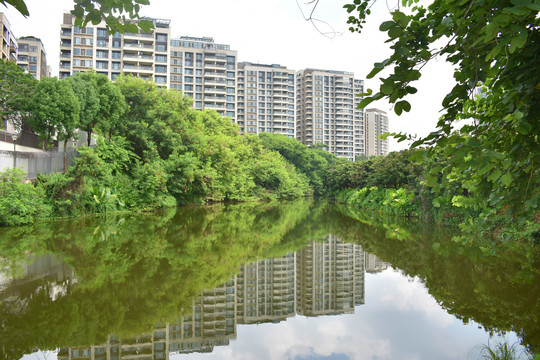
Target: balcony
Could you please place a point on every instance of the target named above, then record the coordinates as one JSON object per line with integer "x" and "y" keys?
{"x": 137, "y": 45}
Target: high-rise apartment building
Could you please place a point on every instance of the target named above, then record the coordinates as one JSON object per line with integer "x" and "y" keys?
{"x": 327, "y": 113}
{"x": 8, "y": 42}
{"x": 266, "y": 101}
{"x": 145, "y": 55}
{"x": 206, "y": 72}
{"x": 376, "y": 124}
{"x": 32, "y": 57}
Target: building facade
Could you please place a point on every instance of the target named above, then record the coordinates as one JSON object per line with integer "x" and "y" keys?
{"x": 32, "y": 57}
{"x": 8, "y": 42}
{"x": 376, "y": 125}
{"x": 327, "y": 112}
{"x": 144, "y": 55}
{"x": 206, "y": 72}
{"x": 266, "y": 99}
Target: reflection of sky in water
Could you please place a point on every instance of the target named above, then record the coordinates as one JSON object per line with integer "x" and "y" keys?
{"x": 399, "y": 320}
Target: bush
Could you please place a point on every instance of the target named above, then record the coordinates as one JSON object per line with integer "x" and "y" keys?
{"x": 20, "y": 202}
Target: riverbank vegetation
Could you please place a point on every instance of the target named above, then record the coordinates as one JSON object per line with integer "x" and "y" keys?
{"x": 153, "y": 151}
{"x": 399, "y": 185}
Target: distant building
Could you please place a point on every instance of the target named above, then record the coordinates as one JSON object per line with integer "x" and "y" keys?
{"x": 376, "y": 124}
{"x": 206, "y": 72}
{"x": 32, "y": 57}
{"x": 327, "y": 113}
{"x": 266, "y": 100}
{"x": 143, "y": 55}
{"x": 8, "y": 42}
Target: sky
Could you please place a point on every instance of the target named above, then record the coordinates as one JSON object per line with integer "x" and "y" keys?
{"x": 274, "y": 32}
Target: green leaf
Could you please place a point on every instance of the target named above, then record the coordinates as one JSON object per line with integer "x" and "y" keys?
{"x": 494, "y": 176}
{"x": 386, "y": 25}
{"x": 395, "y": 32}
{"x": 132, "y": 28}
{"x": 374, "y": 72}
{"x": 436, "y": 203}
{"x": 506, "y": 179}
{"x": 146, "y": 25}
{"x": 517, "y": 10}
{"x": 518, "y": 42}
{"x": 365, "y": 102}
{"x": 523, "y": 127}
{"x": 387, "y": 88}
{"x": 20, "y": 6}
{"x": 405, "y": 105}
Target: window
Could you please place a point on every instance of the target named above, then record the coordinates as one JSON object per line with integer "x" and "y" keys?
{"x": 116, "y": 55}
{"x": 33, "y": 48}
{"x": 102, "y": 64}
{"x": 160, "y": 79}
{"x": 102, "y": 32}
{"x": 161, "y": 68}
{"x": 32, "y": 59}
{"x": 115, "y": 65}
{"x": 188, "y": 79}
{"x": 102, "y": 54}
{"x": 161, "y": 58}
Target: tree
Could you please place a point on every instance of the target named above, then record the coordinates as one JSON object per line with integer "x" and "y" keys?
{"x": 16, "y": 87}
{"x": 88, "y": 101}
{"x": 54, "y": 110}
{"x": 102, "y": 103}
{"x": 493, "y": 44}
{"x": 112, "y": 12}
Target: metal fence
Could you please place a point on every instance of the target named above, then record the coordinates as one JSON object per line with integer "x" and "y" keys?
{"x": 33, "y": 163}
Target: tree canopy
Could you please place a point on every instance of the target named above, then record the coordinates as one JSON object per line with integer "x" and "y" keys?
{"x": 16, "y": 86}
{"x": 493, "y": 45}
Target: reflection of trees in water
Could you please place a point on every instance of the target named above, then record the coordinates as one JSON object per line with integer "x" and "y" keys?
{"x": 499, "y": 291}
{"x": 136, "y": 270}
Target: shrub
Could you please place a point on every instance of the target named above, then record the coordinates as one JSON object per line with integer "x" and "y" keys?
{"x": 20, "y": 202}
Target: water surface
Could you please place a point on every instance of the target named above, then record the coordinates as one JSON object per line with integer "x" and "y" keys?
{"x": 282, "y": 280}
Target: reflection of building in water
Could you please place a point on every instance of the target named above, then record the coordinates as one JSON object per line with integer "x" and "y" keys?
{"x": 330, "y": 278}
{"x": 265, "y": 290}
{"x": 212, "y": 321}
{"x": 47, "y": 269}
{"x": 374, "y": 265}
{"x": 321, "y": 279}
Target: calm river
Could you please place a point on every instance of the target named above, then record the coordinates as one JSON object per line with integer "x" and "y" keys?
{"x": 300, "y": 279}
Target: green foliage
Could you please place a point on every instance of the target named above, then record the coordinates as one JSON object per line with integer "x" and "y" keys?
{"x": 101, "y": 102}
{"x": 16, "y": 87}
{"x": 494, "y": 157}
{"x": 54, "y": 110}
{"x": 19, "y": 5}
{"x": 20, "y": 202}
{"x": 387, "y": 201}
{"x": 501, "y": 351}
{"x": 117, "y": 14}
{"x": 392, "y": 171}
{"x": 314, "y": 163}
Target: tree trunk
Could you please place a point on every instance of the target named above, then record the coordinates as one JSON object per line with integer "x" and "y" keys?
{"x": 89, "y": 135}
{"x": 65, "y": 157}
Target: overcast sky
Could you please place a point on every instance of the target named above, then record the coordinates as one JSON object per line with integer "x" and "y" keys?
{"x": 272, "y": 32}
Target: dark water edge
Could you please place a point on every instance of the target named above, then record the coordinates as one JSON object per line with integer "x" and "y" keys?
{"x": 125, "y": 273}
